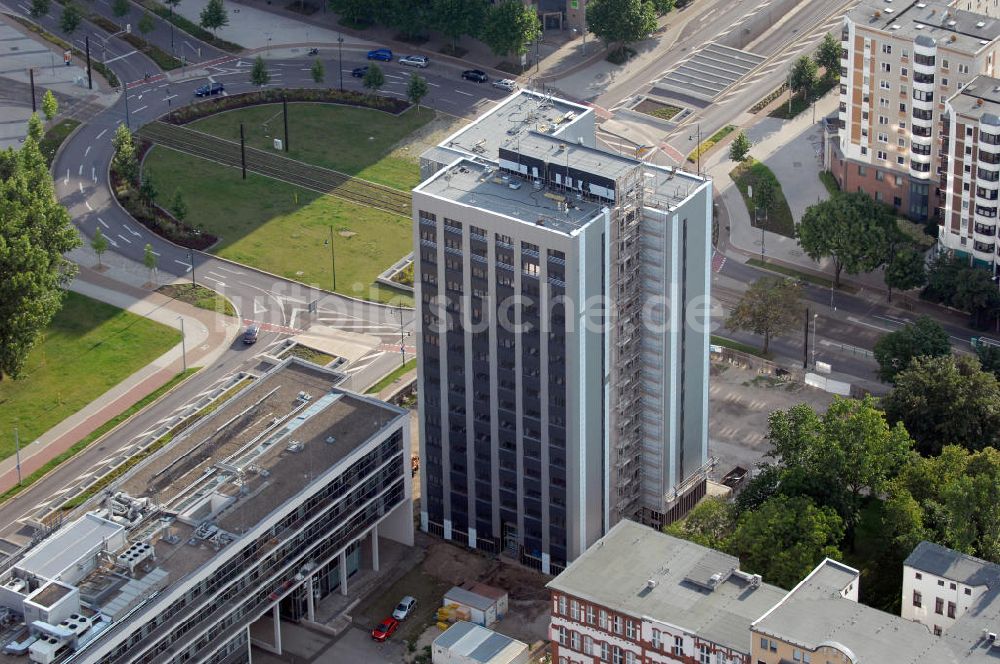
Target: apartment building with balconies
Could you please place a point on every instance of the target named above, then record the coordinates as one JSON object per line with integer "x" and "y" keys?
{"x": 900, "y": 62}
{"x": 971, "y": 172}
{"x": 563, "y": 366}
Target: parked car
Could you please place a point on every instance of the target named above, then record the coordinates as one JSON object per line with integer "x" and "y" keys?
{"x": 250, "y": 334}
{"x": 380, "y": 54}
{"x": 385, "y": 629}
{"x": 476, "y": 75}
{"x": 210, "y": 89}
{"x": 505, "y": 84}
{"x": 406, "y": 606}
{"x": 359, "y": 72}
{"x": 415, "y": 61}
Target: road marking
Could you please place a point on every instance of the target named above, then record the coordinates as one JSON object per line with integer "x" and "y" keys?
{"x": 876, "y": 327}
{"x": 221, "y": 283}
{"x": 143, "y": 108}
{"x": 186, "y": 265}
{"x": 169, "y": 98}
{"x": 81, "y": 186}
{"x": 102, "y": 222}
{"x": 155, "y": 253}
{"x": 436, "y": 85}
{"x": 125, "y": 239}
{"x": 87, "y": 203}
{"x": 467, "y": 94}
{"x": 160, "y": 87}
{"x": 257, "y": 308}
{"x": 132, "y": 232}
{"x": 66, "y": 179}
{"x": 112, "y": 243}
{"x": 87, "y": 151}
{"x": 125, "y": 55}
{"x": 81, "y": 170}
{"x": 226, "y": 269}
{"x": 93, "y": 173}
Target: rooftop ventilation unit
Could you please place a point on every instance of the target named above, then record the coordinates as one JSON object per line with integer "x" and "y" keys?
{"x": 330, "y": 440}
{"x": 889, "y": 10}
{"x": 921, "y": 5}
{"x": 894, "y": 26}
{"x": 651, "y": 583}
{"x": 919, "y": 26}
{"x": 980, "y": 24}
{"x": 953, "y": 24}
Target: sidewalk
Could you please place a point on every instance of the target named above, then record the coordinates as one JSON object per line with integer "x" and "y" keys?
{"x": 208, "y": 336}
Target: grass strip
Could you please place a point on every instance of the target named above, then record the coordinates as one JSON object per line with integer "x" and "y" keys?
{"x": 802, "y": 102}
{"x": 54, "y": 137}
{"x": 199, "y": 296}
{"x": 97, "y": 433}
{"x": 311, "y": 355}
{"x": 830, "y": 182}
{"x": 392, "y": 377}
{"x": 153, "y": 447}
{"x": 804, "y": 276}
{"x": 779, "y": 217}
{"x": 710, "y": 142}
{"x": 737, "y": 346}
{"x": 189, "y": 26}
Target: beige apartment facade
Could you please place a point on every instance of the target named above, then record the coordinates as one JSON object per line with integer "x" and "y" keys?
{"x": 900, "y": 61}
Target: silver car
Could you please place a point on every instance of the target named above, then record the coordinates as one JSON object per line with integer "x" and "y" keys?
{"x": 505, "y": 84}
{"x": 414, "y": 61}
{"x": 405, "y": 608}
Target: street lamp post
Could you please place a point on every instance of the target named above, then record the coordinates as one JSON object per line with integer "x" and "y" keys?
{"x": 815, "y": 316}
{"x": 340, "y": 59}
{"x": 183, "y": 346}
{"x": 17, "y": 451}
{"x": 333, "y": 259}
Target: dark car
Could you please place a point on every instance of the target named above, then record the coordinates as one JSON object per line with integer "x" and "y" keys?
{"x": 385, "y": 629}
{"x": 383, "y": 54}
{"x": 210, "y": 89}
{"x": 250, "y": 334}
{"x": 359, "y": 72}
{"x": 476, "y": 75}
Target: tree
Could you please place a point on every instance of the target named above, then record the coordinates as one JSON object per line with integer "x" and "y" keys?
{"x": 178, "y": 207}
{"x": 989, "y": 358}
{"x": 663, "y": 7}
{"x": 786, "y": 538}
{"x": 770, "y": 307}
{"x": 416, "y": 89}
{"x": 120, "y": 7}
{"x": 510, "y": 26}
{"x": 39, "y": 8}
{"x": 618, "y": 23}
{"x": 709, "y": 523}
{"x": 35, "y": 233}
{"x": 147, "y": 189}
{"x": 259, "y": 75}
{"x": 763, "y": 193}
{"x": 35, "y": 128}
{"x": 760, "y": 489}
{"x": 828, "y": 56}
{"x": 317, "y": 71}
{"x": 455, "y": 18}
{"x": 852, "y": 228}
{"x": 976, "y": 294}
{"x": 50, "y": 106}
{"x": 942, "y": 277}
{"x": 124, "y": 162}
{"x": 172, "y": 4}
{"x": 905, "y": 270}
{"x": 946, "y": 400}
{"x": 739, "y": 149}
{"x": 71, "y": 18}
{"x": 146, "y": 23}
{"x": 803, "y": 76}
{"x": 99, "y": 244}
{"x": 355, "y": 13}
{"x": 411, "y": 17}
{"x": 894, "y": 351}
{"x": 149, "y": 260}
{"x": 839, "y": 458}
{"x": 214, "y": 16}
{"x": 373, "y": 79}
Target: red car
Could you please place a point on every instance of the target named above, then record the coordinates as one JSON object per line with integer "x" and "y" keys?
{"x": 385, "y": 629}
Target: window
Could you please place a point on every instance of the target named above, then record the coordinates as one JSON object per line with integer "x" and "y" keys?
{"x": 902, "y": 107}
{"x": 574, "y": 640}
{"x": 902, "y": 124}
{"x": 887, "y": 48}
{"x": 944, "y": 82}
{"x": 616, "y": 655}
{"x": 879, "y": 176}
{"x": 864, "y": 115}
{"x": 899, "y": 180}
{"x": 881, "y": 154}
{"x": 905, "y": 53}
{"x": 944, "y": 64}
{"x": 897, "y": 201}
{"x": 951, "y": 609}
{"x": 629, "y": 657}
{"x": 655, "y": 640}
{"x": 562, "y": 604}
{"x": 968, "y": 591}
{"x": 941, "y": 582}
{"x": 883, "y": 137}
{"x": 901, "y": 142}
{"x": 862, "y": 170}
{"x": 937, "y": 630}
{"x": 963, "y": 69}
{"x": 900, "y": 160}
{"x": 864, "y": 150}
{"x": 678, "y": 648}
{"x": 938, "y": 606}
{"x": 603, "y": 619}
{"x": 882, "y": 120}
{"x": 917, "y": 599}
{"x": 885, "y": 67}
{"x": 618, "y": 624}
{"x": 574, "y": 610}
{"x": 590, "y": 614}
{"x": 562, "y": 635}
{"x": 588, "y": 645}
{"x": 903, "y": 71}
{"x": 884, "y": 85}
{"x": 629, "y": 629}
{"x": 883, "y": 102}
{"x": 704, "y": 655}
{"x": 604, "y": 652}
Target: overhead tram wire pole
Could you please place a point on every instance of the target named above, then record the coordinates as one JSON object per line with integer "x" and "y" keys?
{"x": 340, "y": 59}
{"x": 284, "y": 109}
{"x": 183, "y": 337}
{"x": 243, "y": 152}
{"x": 90, "y": 81}
{"x": 17, "y": 451}
{"x": 333, "y": 258}
{"x": 31, "y": 74}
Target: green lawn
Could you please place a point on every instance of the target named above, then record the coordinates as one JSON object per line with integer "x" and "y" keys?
{"x": 830, "y": 182}
{"x": 89, "y": 348}
{"x": 55, "y": 136}
{"x": 282, "y": 228}
{"x": 737, "y": 346}
{"x": 343, "y": 138}
{"x": 392, "y": 376}
{"x": 779, "y": 217}
{"x": 199, "y": 296}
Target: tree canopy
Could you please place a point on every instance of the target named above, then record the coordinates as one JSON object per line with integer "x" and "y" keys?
{"x": 852, "y": 228}
{"x": 709, "y": 523}
{"x": 828, "y": 55}
{"x": 952, "y": 281}
{"x": 946, "y": 400}
{"x": 39, "y": 8}
{"x": 373, "y": 79}
{"x": 510, "y": 26}
{"x": 770, "y": 307}
{"x": 214, "y": 16}
{"x": 905, "y": 270}
{"x": 71, "y": 18}
{"x": 416, "y": 89}
{"x": 35, "y": 233}
{"x": 739, "y": 149}
{"x": 621, "y": 22}
{"x": 803, "y": 75}
{"x": 923, "y": 337}
{"x": 455, "y": 18}
{"x": 259, "y": 75}
{"x": 50, "y": 106}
